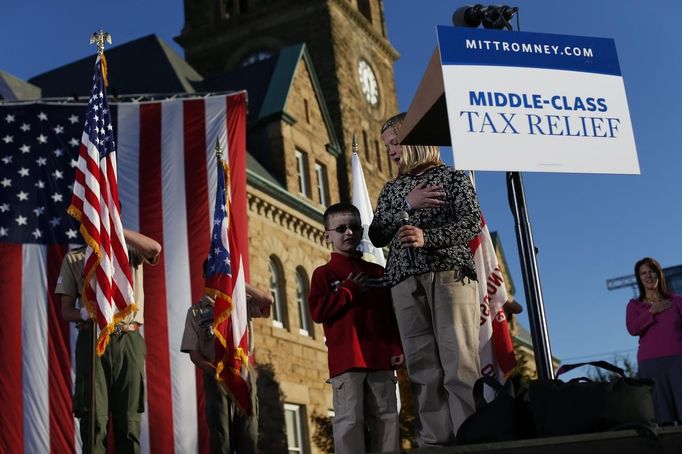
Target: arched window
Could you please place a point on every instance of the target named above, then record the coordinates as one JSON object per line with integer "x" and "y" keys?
{"x": 279, "y": 312}
{"x": 305, "y": 325}
{"x": 255, "y": 57}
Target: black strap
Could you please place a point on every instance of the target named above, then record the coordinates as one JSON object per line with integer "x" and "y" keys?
{"x": 479, "y": 398}
{"x": 601, "y": 364}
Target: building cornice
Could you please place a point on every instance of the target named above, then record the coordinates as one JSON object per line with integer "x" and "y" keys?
{"x": 303, "y": 227}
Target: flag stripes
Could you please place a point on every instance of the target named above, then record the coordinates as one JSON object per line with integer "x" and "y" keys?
{"x": 11, "y": 376}
{"x": 166, "y": 174}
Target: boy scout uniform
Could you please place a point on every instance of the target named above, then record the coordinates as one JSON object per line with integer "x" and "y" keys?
{"x": 223, "y": 419}
{"x": 119, "y": 374}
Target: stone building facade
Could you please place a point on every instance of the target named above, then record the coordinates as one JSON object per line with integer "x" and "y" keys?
{"x": 348, "y": 44}
{"x": 352, "y": 60}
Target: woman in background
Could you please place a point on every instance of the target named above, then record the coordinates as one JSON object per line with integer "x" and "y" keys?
{"x": 656, "y": 317}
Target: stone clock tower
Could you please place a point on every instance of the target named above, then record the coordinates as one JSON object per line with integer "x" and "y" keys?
{"x": 348, "y": 45}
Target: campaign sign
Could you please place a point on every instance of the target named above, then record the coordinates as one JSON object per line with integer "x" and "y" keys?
{"x": 538, "y": 102}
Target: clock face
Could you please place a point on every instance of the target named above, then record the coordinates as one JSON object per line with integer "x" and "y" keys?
{"x": 368, "y": 83}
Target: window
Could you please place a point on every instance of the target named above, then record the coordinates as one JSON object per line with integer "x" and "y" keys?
{"x": 366, "y": 9}
{"x": 378, "y": 153}
{"x": 302, "y": 172}
{"x": 277, "y": 292}
{"x": 322, "y": 183}
{"x": 255, "y": 57}
{"x": 295, "y": 427}
{"x": 304, "y": 322}
{"x": 307, "y": 110}
{"x": 365, "y": 142}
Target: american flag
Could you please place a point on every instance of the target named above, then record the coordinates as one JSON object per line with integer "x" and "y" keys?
{"x": 166, "y": 178}
{"x": 108, "y": 286}
{"x": 226, "y": 285}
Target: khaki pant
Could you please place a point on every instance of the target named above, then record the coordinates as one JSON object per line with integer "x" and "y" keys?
{"x": 365, "y": 402}
{"x": 229, "y": 429}
{"x": 119, "y": 390}
{"x": 439, "y": 318}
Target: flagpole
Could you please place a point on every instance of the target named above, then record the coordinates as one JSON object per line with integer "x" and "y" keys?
{"x": 229, "y": 407}
{"x": 98, "y": 38}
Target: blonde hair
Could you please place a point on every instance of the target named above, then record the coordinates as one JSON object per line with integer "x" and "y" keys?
{"x": 414, "y": 158}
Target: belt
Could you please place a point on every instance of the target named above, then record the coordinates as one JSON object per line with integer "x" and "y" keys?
{"x": 118, "y": 329}
{"x": 126, "y": 328}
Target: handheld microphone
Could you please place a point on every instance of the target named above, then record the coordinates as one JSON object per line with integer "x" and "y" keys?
{"x": 404, "y": 218}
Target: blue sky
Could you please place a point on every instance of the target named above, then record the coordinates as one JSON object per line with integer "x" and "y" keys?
{"x": 588, "y": 228}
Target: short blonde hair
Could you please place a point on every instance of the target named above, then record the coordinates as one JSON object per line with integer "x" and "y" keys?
{"x": 413, "y": 157}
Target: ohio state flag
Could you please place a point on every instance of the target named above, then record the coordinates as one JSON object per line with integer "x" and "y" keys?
{"x": 495, "y": 344}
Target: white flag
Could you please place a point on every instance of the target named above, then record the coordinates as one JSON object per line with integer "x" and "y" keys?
{"x": 361, "y": 201}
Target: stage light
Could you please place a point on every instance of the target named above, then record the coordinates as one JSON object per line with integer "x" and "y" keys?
{"x": 496, "y": 17}
{"x": 468, "y": 16}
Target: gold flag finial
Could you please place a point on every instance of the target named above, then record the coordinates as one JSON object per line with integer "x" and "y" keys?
{"x": 218, "y": 149}
{"x": 355, "y": 144}
{"x": 99, "y": 38}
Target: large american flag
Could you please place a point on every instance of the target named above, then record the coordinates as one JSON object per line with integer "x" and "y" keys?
{"x": 108, "y": 292}
{"x": 166, "y": 174}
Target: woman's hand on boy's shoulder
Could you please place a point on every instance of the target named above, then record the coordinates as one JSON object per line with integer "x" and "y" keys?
{"x": 359, "y": 281}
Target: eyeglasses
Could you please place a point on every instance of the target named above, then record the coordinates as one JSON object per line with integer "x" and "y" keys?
{"x": 355, "y": 228}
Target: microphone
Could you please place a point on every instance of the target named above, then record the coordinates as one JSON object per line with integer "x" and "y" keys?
{"x": 404, "y": 218}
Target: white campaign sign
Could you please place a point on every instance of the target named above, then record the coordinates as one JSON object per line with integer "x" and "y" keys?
{"x": 535, "y": 102}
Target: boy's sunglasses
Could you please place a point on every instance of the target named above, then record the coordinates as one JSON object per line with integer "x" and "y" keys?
{"x": 355, "y": 228}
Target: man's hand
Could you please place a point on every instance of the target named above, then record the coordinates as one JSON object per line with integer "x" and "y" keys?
{"x": 411, "y": 236}
{"x": 202, "y": 362}
{"x": 263, "y": 300}
{"x": 149, "y": 248}
{"x": 423, "y": 196}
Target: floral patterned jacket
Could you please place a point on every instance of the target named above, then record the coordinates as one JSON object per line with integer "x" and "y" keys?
{"x": 448, "y": 229}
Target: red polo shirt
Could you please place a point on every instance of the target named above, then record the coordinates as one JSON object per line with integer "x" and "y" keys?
{"x": 360, "y": 327}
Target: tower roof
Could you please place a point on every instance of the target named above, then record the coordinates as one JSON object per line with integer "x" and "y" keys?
{"x": 144, "y": 65}
{"x": 268, "y": 83}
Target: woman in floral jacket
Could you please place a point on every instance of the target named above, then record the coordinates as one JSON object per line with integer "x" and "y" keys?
{"x": 428, "y": 214}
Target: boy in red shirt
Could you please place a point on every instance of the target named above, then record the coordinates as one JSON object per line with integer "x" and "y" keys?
{"x": 362, "y": 339}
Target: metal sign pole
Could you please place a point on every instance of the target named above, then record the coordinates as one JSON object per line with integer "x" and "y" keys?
{"x": 499, "y": 17}
{"x": 531, "y": 277}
